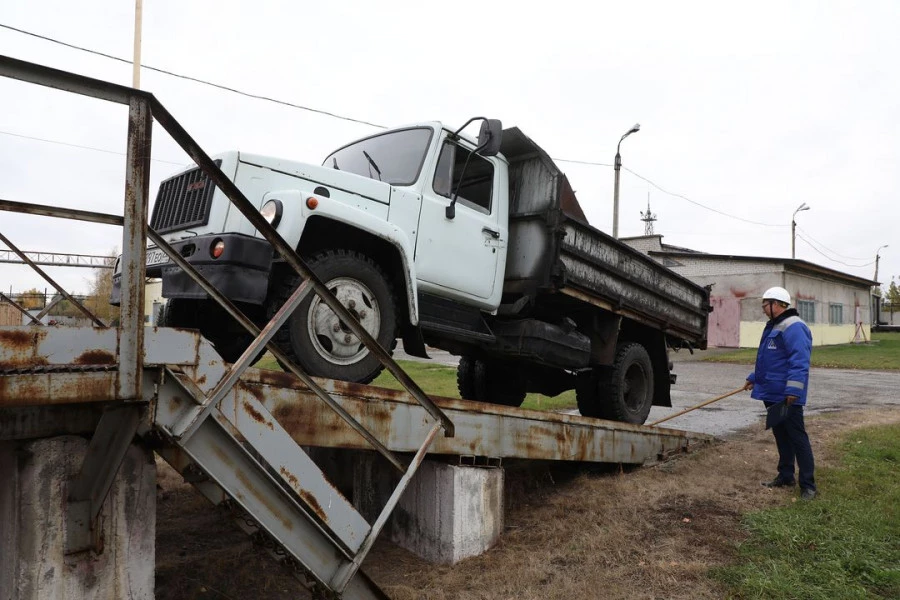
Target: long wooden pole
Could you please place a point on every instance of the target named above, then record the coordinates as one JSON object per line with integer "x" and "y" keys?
{"x": 701, "y": 405}
{"x": 136, "y": 64}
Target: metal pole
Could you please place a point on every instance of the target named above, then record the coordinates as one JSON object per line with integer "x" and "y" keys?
{"x": 793, "y": 238}
{"x": 617, "y": 165}
{"x": 134, "y": 245}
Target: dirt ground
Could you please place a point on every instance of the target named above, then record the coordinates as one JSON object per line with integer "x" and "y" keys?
{"x": 645, "y": 533}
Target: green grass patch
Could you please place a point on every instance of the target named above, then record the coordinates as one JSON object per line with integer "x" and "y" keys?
{"x": 843, "y": 544}
{"x": 440, "y": 380}
{"x": 883, "y": 353}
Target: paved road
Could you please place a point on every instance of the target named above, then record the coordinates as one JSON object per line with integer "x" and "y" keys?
{"x": 830, "y": 390}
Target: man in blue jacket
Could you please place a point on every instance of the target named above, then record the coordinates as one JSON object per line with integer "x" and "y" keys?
{"x": 782, "y": 375}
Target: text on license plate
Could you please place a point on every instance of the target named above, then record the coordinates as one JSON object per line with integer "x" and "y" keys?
{"x": 155, "y": 256}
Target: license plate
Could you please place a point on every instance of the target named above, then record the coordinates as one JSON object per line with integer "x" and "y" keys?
{"x": 155, "y": 256}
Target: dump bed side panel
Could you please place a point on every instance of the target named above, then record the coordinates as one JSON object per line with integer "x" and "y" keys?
{"x": 552, "y": 250}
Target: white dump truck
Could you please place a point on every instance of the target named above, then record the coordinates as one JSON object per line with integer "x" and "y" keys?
{"x": 475, "y": 246}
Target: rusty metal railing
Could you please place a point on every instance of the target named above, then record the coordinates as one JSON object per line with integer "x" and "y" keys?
{"x": 143, "y": 109}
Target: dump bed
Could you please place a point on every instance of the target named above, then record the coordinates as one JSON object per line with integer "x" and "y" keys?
{"x": 553, "y": 250}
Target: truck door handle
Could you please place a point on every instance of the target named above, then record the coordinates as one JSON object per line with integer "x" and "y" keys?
{"x": 491, "y": 232}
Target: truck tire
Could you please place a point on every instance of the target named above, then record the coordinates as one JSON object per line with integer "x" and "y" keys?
{"x": 490, "y": 381}
{"x": 316, "y": 339}
{"x": 217, "y": 326}
{"x": 621, "y": 393}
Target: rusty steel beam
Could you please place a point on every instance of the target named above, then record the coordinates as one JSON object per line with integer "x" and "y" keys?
{"x": 483, "y": 430}
{"x": 66, "y": 81}
{"x": 134, "y": 248}
{"x": 61, "y": 213}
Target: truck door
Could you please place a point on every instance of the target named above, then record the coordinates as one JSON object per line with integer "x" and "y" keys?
{"x": 458, "y": 257}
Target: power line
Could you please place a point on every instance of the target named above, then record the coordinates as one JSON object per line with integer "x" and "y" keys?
{"x": 834, "y": 259}
{"x": 829, "y": 249}
{"x": 194, "y": 79}
{"x": 583, "y": 162}
{"x": 37, "y": 139}
{"x": 715, "y": 210}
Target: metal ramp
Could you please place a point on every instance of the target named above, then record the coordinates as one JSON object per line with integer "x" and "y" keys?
{"x": 261, "y": 472}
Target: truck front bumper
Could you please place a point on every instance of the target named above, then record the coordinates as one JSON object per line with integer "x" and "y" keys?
{"x": 240, "y": 273}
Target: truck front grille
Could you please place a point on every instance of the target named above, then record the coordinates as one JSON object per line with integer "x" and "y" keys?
{"x": 183, "y": 201}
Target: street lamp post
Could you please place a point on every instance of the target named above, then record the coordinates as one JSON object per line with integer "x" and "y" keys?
{"x": 876, "y": 261}
{"x": 794, "y": 229}
{"x": 618, "y": 166}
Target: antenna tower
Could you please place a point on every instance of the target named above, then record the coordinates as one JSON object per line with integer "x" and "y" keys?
{"x": 648, "y": 217}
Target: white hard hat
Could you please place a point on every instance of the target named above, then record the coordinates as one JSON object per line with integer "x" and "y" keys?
{"x": 777, "y": 293}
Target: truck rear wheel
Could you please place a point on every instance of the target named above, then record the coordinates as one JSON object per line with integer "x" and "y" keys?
{"x": 490, "y": 381}
{"x": 621, "y": 393}
{"x": 319, "y": 342}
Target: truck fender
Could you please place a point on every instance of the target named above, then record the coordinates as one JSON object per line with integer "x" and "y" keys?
{"x": 293, "y": 223}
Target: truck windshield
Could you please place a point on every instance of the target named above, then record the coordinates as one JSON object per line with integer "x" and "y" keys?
{"x": 395, "y": 157}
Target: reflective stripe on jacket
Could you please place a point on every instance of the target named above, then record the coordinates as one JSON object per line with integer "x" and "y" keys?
{"x": 782, "y": 361}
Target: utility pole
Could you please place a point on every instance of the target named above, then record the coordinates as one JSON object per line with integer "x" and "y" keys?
{"x": 136, "y": 64}
{"x": 877, "y": 258}
{"x": 617, "y": 165}
{"x": 794, "y": 229}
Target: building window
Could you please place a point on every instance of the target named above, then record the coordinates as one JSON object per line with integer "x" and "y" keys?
{"x": 836, "y": 314}
{"x": 807, "y": 310}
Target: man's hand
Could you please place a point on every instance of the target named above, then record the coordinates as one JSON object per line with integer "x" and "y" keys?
{"x": 790, "y": 400}
{"x": 748, "y": 386}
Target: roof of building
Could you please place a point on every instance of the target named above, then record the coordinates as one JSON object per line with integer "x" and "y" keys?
{"x": 793, "y": 264}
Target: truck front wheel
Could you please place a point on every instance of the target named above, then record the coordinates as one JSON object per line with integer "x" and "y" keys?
{"x": 623, "y": 392}
{"x": 317, "y": 340}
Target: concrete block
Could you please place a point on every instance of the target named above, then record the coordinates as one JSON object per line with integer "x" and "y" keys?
{"x": 34, "y": 566}
{"x": 447, "y": 513}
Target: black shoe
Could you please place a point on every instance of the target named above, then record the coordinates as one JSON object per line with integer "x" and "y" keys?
{"x": 777, "y": 483}
{"x": 807, "y": 494}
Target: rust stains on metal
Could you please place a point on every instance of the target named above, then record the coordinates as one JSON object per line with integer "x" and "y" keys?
{"x": 279, "y": 379}
{"x": 175, "y": 403}
{"x": 263, "y": 499}
{"x": 95, "y": 357}
{"x": 257, "y": 416}
{"x": 307, "y": 497}
{"x": 18, "y": 339}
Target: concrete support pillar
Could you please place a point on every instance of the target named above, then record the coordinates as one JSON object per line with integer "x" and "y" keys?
{"x": 33, "y": 564}
{"x": 447, "y": 513}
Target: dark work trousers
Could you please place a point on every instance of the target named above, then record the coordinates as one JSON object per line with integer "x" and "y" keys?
{"x": 793, "y": 445}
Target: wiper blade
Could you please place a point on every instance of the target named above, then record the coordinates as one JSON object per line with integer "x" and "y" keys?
{"x": 334, "y": 162}
{"x": 372, "y": 163}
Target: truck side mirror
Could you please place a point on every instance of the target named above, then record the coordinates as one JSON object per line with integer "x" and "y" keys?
{"x": 489, "y": 137}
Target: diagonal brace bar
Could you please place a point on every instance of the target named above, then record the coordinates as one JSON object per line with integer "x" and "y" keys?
{"x": 245, "y": 360}
{"x": 106, "y": 450}
{"x": 20, "y": 308}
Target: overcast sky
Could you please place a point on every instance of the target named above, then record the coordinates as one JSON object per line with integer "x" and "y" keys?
{"x": 749, "y": 109}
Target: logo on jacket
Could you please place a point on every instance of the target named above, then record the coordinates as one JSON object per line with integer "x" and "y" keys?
{"x": 771, "y": 345}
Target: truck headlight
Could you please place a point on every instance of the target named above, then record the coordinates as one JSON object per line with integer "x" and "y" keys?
{"x": 271, "y": 212}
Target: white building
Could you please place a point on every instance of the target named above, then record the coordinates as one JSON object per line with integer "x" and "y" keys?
{"x": 835, "y": 305}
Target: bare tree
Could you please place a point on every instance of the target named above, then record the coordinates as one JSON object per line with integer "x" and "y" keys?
{"x": 101, "y": 285}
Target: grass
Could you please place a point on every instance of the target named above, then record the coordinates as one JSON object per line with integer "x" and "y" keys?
{"x": 844, "y": 544}
{"x": 440, "y": 380}
{"x": 883, "y": 353}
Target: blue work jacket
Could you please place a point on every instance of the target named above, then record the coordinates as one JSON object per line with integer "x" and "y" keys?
{"x": 782, "y": 361}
